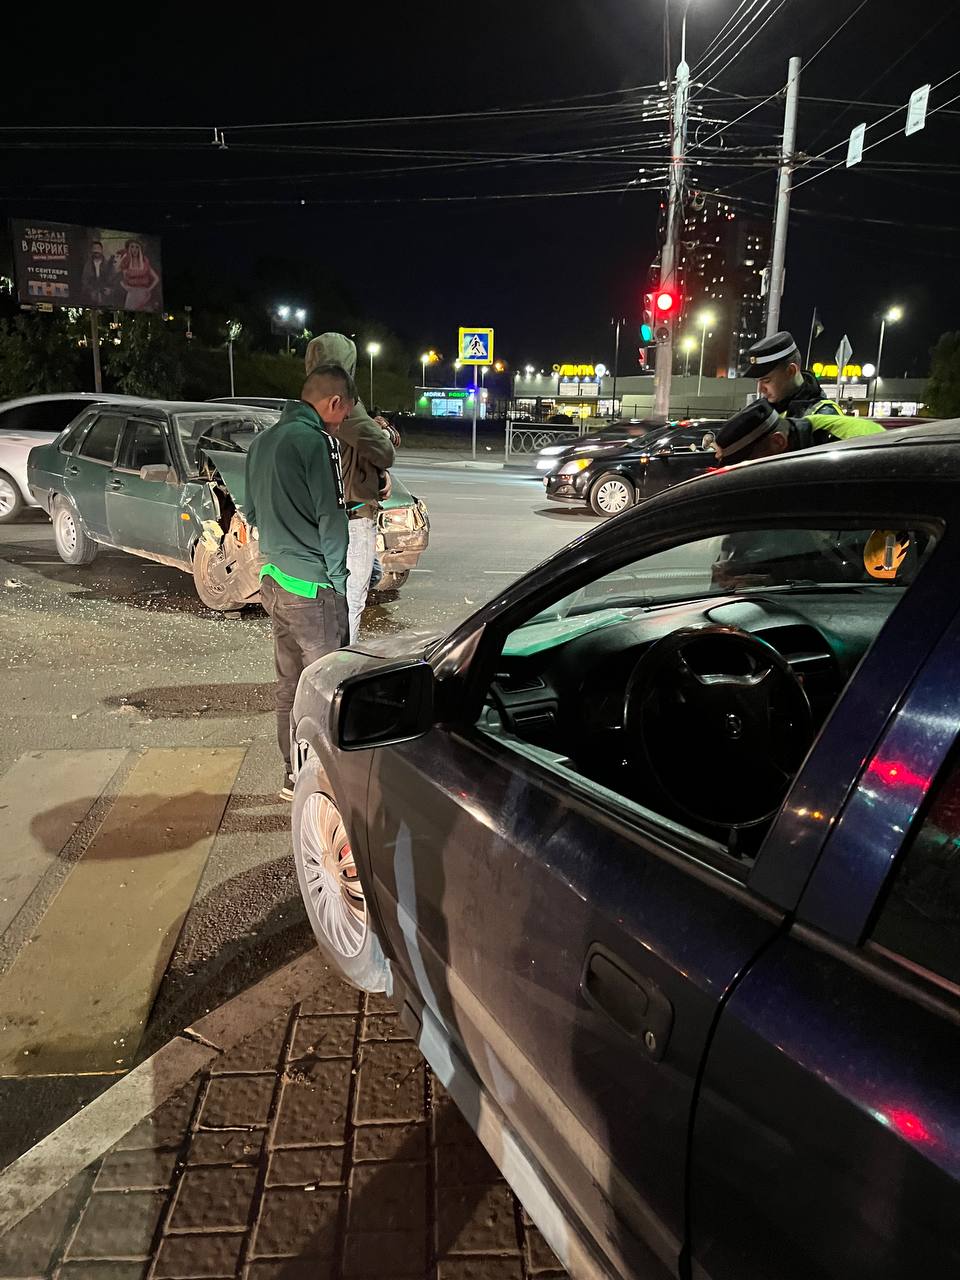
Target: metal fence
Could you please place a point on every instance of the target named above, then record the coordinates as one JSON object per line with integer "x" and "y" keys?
{"x": 526, "y": 439}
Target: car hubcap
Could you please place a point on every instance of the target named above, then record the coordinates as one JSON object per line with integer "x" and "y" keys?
{"x": 613, "y": 497}
{"x": 8, "y": 497}
{"x": 68, "y": 532}
{"x": 333, "y": 888}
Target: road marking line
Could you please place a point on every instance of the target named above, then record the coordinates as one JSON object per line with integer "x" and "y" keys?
{"x": 78, "y": 997}
{"x": 40, "y": 1172}
{"x": 44, "y": 797}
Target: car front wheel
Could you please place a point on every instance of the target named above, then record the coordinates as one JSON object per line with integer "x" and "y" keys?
{"x": 612, "y": 494}
{"x": 211, "y": 577}
{"x": 11, "y": 499}
{"x": 73, "y": 545}
{"x": 332, "y": 894}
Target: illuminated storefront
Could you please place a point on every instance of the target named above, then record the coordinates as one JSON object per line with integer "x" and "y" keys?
{"x": 571, "y": 390}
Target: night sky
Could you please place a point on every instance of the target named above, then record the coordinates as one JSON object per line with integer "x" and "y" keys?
{"x": 430, "y": 224}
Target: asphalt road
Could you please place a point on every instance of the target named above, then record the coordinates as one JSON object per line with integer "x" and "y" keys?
{"x": 121, "y": 657}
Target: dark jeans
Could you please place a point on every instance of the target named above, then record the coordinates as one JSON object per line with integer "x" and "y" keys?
{"x": 303, "y": 631}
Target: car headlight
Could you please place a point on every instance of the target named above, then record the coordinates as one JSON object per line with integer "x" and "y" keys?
{"x": 399, "y": 518}
{"x": 552, "y": 450}
{"x": 574, "y": 466}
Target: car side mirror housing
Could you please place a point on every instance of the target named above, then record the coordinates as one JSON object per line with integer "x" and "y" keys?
{"x": 383, "y": 707}
{"x": 158, "y": 473}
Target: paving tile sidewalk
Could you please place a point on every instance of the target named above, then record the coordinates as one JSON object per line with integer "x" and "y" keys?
{"x": 321, "y": 1146}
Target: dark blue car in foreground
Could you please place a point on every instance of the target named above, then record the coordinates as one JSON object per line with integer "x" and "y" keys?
{"x": 659, "y": 854}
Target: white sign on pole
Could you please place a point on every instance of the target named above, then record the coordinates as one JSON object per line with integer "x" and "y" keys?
{"x": 844, "y": 352}
{"x": 855, "y": 145}
{"x": 917, "y": 110}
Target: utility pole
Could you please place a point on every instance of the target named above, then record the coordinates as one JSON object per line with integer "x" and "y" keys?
{"x": 616, "y": 360}
{"x": 668, "y": 256}
{"x": 95, "y": 348}
{"x": 782, "y": 215}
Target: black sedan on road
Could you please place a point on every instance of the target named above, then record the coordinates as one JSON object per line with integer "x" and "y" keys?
{"x": 612, "y": 474}
{"x": 657, "y": 854}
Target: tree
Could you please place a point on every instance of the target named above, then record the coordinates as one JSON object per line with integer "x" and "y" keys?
{"x": 146, "y": 361}
{"x": 42, "y": 353}
{"x": 943, "y": 389}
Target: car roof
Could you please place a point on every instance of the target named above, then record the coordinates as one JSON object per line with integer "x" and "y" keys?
{"x": 912, "y": 456}
{"x": 95, "y": 397}
{"x": 209, "y": 407}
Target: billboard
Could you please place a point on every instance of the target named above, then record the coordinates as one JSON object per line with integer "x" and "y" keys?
{"x": 70, "y": 266}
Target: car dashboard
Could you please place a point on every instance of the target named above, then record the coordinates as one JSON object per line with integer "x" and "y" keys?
{"x": 562, "y": 683}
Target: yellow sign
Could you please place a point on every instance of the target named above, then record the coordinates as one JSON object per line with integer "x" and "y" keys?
{"x": 575, "y": 370}
{"x": 830, "y": 370}
{"x": 885, "y": 552}
{"x": 476, "y": 346}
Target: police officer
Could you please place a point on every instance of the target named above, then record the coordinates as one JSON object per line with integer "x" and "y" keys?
{"x": 759, "y": 431}
{"x": 781, "y": 380}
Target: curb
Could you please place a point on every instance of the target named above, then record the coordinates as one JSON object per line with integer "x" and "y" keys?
{"x": 40, "y": 1172}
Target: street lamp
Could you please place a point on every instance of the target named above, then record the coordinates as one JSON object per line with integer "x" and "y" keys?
{"x": 688, "y": 345}
{"x": 373, "y": 349}
{"x": 706, "y": 320}
{"x": 424, "y": 361}
{"x": 529, "y": 370}
{"x": 890, "y": 317}
{"x": 301, "y": 315}
{"x": 457, "y": 366}
{"x": 233, "y": 332}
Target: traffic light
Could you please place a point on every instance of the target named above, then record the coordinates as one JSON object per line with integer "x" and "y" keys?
{"x": 666, "y": 304}
{"x": 642, "y": 357}
{"x": 646, "y": 328}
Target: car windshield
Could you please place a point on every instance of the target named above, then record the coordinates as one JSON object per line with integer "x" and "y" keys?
{"x": 756, "y": 561}
{"x": 220, "y": 429}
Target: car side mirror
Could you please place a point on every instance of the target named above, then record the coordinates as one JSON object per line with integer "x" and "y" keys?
{"x": 158, "y": 473}
{"x": 380, "y": 708}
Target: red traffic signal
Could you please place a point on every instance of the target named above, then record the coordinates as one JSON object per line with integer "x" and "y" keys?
{"x": 667, "y": 303}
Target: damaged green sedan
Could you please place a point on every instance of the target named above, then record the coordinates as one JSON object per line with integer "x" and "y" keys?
{"x": 165, "y": 481}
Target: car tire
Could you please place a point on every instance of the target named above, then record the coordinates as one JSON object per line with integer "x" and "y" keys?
{"x": 612, "y": 493}
{"x": 11, "y": 499}
{"x": 211, "y": 593}
{"x": 333, "y": 896}
{"x": 391, "y": 581}
{"x": 73, "y": 545}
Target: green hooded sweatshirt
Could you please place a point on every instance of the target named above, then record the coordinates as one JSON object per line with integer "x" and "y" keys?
{"x": 295, "y": 499}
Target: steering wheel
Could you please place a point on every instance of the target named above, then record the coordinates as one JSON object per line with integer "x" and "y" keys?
{"x": 720, "y": 721}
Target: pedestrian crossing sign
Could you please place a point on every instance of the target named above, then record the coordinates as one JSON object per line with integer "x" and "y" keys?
{"x": 476, "y": 346}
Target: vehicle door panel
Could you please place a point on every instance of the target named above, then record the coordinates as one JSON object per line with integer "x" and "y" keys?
{"x": 86, "y": 472}
{"x": 142, "y": 515}
{"x": 500, "y": 916}
{"x": 664, "y": 471}
{"x": 827, "y": 1132}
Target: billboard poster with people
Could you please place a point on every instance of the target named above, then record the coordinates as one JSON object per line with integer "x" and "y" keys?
{"x": 71, "y": 266}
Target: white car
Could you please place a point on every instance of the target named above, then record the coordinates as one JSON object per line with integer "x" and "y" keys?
{"x": 25, "y": 423}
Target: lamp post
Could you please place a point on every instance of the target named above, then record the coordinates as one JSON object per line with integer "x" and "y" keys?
{"x": 233, "y": 332}
{"x": 373, "y": 349}
{"x": 687, "y": 344}
{"x": 424, "y": 361}
{"x": 889, "y": 317}
{"x": 706, "y": 320}
{"x": 457, "y": 365}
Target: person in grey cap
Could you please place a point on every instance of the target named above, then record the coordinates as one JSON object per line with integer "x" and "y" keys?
{"x": 759, "y": 431}
{"x": 782, "y": 381}
{"x": 366, "y": 453}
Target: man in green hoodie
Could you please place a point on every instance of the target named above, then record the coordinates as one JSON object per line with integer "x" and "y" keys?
{"x": 295, "y": 500}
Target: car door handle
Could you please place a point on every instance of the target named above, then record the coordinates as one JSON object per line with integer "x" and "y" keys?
{"x": 631, "y": 1002}
{"x": 115, "y": 485}
{"x": 73, "y": 471}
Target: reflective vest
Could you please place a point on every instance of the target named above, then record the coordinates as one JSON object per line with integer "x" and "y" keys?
{"x": 826, "y": 428}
